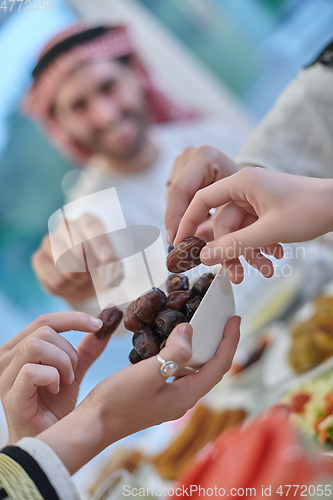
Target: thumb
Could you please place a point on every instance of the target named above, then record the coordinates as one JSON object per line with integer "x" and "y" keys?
{"x": 88, "y": 350}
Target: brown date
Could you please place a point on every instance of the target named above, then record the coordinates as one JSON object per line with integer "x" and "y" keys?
{"x": 134, "y": 357}
{"x": 176, "y": 282}
{"x": 186, "y": 255}
{"x": 201, "y": 286}
{"x": 177, "y": 300}
{"x": 146, "y": 343}
{"x": 147, "y": 306}
{"x": 131, "y": 321}
{"x": 111, "y": 318}
{"x": 191, "y": 306}
{"x": 167, "y": 319}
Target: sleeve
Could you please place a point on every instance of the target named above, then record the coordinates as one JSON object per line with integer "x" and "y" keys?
{"x": 296, "y": 135}
{"x": 31, "y": 470}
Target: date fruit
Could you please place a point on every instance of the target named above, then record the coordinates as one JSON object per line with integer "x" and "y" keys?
{"x": 167, "y": 320}
{"x": 186, "y": 255}
{"x": 147, "y": 306}
{"x": 191, "y": 306}
{"x": 131, "y": 321}
{"x": 146, "y": 343}
{"x": 176, "y": 282}
{"x": 134, "y": 357}
{"x": 201, "y": 286}
{"x": 177, "y": 300}
{"x": 111, "y": 318}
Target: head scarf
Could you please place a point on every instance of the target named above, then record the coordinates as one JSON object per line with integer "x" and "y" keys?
{"x": 68, "y": 50}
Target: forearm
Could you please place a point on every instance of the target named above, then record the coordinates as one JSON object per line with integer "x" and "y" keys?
{"x": 77, "y": 438}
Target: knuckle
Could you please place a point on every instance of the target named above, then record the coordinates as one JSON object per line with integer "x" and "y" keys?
{"x": 235, "y": 243}
{"x": 205, "y": 150}
{"x": 46, "y": 333}
{"x": 187, "y": 152}
{"x": 60, "y": 282}
{"x": 42, "y": 320}
{"x": 249, "y": 174}
{"x": 184, "y": 351}
{"x": 28, "y": 370}
{"x": 33, "y": 345}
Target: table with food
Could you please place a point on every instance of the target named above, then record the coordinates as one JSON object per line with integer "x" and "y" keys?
{"x": 284, "y": 359}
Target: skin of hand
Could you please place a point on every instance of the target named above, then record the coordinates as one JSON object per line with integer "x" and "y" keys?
{"x": 258, "y": 208}
{"x": 194, "y": 169}
{"x": 138, "y": 397}
{"x": 70, "y": 282}
{"x": 41, "y": 372}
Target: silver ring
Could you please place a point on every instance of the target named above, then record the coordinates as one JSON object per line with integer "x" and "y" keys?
{"x": 168, "y": 368}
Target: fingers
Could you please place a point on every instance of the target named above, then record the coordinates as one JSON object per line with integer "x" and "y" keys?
{"x": 178, "y": 199}
{"x": 52, "y": 337}
{"x": 30, "y": 378}
{"x": 88, "y": 350}
{"x": 60, "y": 322}
{"x": 204, "y": 200}
{"x": 238, "y": 243}
{"x": 212, "y": 372}
{"x": 53, "y": 279}
{"x": 97, "y": 245}
{"x": 178, "y": 347}
{"x": 195, "y": 169}
{"x": 112, "y": 274}
{"x": 275, "y": 250}
{"x": 235, "y": 270}
{"x": 257, "y": 260}
{"x": 37, "y": 351}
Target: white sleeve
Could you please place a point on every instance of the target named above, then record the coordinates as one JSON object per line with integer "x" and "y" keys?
{"x": 53, "y": 467}
{"x": 296, "y": 136}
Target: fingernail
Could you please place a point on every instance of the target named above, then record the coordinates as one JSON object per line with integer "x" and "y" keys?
{"x": 72, "y": 378}
{"x": 186, "y": 331}
{"x": 169, "y": 236}
{"x": 206, "y": 255}
{"x": 96, "y": 322}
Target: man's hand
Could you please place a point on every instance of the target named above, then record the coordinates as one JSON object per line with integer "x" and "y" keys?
{"x": 41, "y": 372}
{"x": 71, "y": 284}
{"x": 194, "y": 169}
{"x": 138, "y": 397}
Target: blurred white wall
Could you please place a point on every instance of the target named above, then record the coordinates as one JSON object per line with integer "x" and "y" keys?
{"x": 177, "y": 70}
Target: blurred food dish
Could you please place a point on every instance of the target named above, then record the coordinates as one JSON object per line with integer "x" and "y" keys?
{"x": 203, "y": 426}
{"x": 311, "y": 405}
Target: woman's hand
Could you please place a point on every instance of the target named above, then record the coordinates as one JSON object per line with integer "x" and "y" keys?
{"x": 138, "y": 397}
{"x": 258, "y": 209}
{"x": 194, "y": 169}
{"x": 41, "y": 372}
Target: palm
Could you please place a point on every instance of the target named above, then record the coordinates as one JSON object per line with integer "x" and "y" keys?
{"x": 45, "y": 408}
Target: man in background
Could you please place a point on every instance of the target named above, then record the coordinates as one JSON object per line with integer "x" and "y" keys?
{"x": 96, "y": 101}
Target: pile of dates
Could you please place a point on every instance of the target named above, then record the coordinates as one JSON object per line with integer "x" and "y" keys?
{"x": 154, "y": 315}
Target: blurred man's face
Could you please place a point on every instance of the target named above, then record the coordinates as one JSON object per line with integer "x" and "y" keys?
{"x": 101, "y": 106}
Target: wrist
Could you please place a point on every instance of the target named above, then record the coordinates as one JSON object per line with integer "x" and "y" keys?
{"x": 77, "y": 438}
